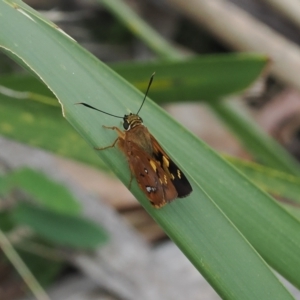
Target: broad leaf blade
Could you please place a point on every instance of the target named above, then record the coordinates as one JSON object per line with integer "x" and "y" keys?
{"x": 206, "y": 78}
{"x": 276, "y": 183}
{"x": 34, "y": 119}
{"x": 44, "y": 191}
{"x": 262, "y": 146}
{"x": 61, "y": 229}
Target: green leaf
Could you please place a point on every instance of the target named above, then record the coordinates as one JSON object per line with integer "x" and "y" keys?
{"x": 50, "y": 194}
{"x": 61, "y": 229}
{"x": 270, "y": 180}
{"x": 263, "y": 147}
{"x": 45, "y": 270}
{"x": 202, "y": 224}
{"x": 34, "y": 119}
{"x": 198, "y": 78}
{"x": 6, "y": 224}
{"x": 258, "y": 143}
{"x": 42, "y": 125}
{"x": 138, "y": 26}
{"x": 4, "y": 186}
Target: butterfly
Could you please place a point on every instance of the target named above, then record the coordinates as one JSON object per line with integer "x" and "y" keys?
{"x": 156, "y": 173}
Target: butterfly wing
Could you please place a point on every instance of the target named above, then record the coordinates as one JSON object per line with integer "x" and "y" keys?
{"x": 180, "y": 182}
{"x": 151, "y": 177}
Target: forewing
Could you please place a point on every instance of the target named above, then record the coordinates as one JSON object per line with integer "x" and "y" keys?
{"x": 182, "y": 185}
{"x": 151, "y": 177}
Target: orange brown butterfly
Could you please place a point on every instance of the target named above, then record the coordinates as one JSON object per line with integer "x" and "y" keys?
{"x": 156, "y": 174}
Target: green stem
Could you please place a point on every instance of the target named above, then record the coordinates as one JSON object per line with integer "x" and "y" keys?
{"x": 141, "y": 29}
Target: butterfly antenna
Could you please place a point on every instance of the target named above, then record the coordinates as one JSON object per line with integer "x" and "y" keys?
{"x": 89, "y": 106}
{"x": 150, "y": 82}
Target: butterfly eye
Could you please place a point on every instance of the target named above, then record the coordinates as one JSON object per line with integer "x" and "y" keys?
{"x": 125, "y": 124}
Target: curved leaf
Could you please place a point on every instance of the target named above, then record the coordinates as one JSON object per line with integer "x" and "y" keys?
{"x": 61, "y": 229}
{"x": 46, "y": 192}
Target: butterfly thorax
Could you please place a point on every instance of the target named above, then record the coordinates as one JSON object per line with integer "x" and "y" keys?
{"x": 137, "y": 133}
{"x": 131, "y": 121}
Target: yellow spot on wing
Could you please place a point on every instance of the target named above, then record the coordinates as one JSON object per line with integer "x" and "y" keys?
{"x": 179, "y": 174}
{"x": 152, "y": 163}
{"x": 165, "y": 179}
{"x": 163, "y": 203}
{"x": 165, "y": 162}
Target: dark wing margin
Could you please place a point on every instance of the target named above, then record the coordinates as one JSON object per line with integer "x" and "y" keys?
{"x": 180, "y": 182}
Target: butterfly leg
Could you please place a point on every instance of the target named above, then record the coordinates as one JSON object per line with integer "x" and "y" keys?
{"x": 120, "y": 132}
{"x": 120, "y": 135}
{"x": 110, "y": 146}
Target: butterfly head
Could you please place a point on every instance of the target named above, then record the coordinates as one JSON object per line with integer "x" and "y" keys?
{"x": 131, "y": 120}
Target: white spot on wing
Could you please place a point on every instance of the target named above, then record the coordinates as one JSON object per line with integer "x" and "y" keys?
{"x": 150, "y": 189}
